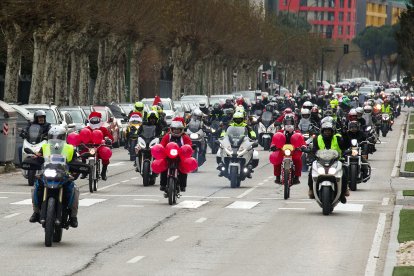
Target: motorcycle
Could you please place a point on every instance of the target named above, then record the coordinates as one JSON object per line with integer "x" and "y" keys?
{"x": 143, "y": 158}
{"x": 353, "y": 163}
{"x": 132, "y": 138}
{"x": 237, "y": 155}
{"x": 266, "y": 130}
{"x": 385, "y": 124}
{"x": 172, "y": 191}
{"x": 198, "y": 139}
{"x": 327, "y": 179}
{"x": 54, "y": 211}
{"x": 373, "y": 138}
{"x": 288, "y": 169}
{"x": 33, "y": 140}
{"x": 212, "y": 136}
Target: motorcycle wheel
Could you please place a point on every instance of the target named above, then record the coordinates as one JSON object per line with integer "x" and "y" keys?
{"x": 50, "y": 221}
{"x": 326, "y": 195}
{"x": 353, "y": 178}
{"x": 91, "y": 172}
{"x": 286, "y": 184}
{"x": 31, "y": 177}
{"x": 196, "y": 157}
{"x": 384, "y": 131}
{"x": 172, "y": 196}
{"x": 214, "y": 148}
{"x": 132, "y": 151}
{"x": 234, "y": 177}
{"x": 266, "y": 144}
{"x": 146, "y": 171}
{"x": 98, "y": 171}
{"x": 57, "y": 236}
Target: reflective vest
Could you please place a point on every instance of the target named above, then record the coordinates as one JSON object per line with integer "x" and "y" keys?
{"x": 385, "y": 109}
{"x": 334, "y": 143}
{"x": 67, "y": 151}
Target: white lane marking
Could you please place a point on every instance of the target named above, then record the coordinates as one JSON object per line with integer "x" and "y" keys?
{"x": 3, "y": 197}
{"x": 12, "y": 215}
{"x": 23, "y": 202}
{"x": 397, "y": 157}
{"x": 349, "y": 207}
{"x": 384, "y": 142}
{"x": 213, "y": 197}
{"x": 86, "y": 202}
{"x": 265, "y": 180}
{"x": 17, "y": 193}
{"x": 173, "y": 238}
{"x": 292, "y": 208}
{"x": 146, "y": 199}
{"x": 364, "y": 200}
{"x": 270, "y": 177}
{"x": 108, "y": 186}
{"x": 385, "y": 201}
{"x": 376, "y": 244}
{"x": 134, "y": 177}
{"x": 201, "y": 220}
{"x": 132, "y": 195}
{"x": 131, "y": 206}
{"x": 190, "y": 204}
{"x": 246, "y": 192}
{"x": 123, "y": 181}
{"x": 116, "y": 164}
{"x": 243, "y": 204}
{"x": 260, "y": 184}
{"x": 135, "y": 259}
{"x": 218, "y": 197}
{"x": 82, "y": 194}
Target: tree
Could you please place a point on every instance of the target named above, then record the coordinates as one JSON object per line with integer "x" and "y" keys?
{"x": 405, "y": 39}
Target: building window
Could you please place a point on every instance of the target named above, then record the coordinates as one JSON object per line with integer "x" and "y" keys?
{"x": 349, "y": 17}
{"x": 316, "y": 15}
{"x": 348, "y": 30}
{"x": 322, "y": 3}
{"x": 321, "y": 28}
{"x": 284, "y": 2}
{"x": 350, "y": 4}
{"x": 329, "y": 30}
{"x": 340, "y": 30}
{"x": 341, "y": 17}
{"x": 341, "y": 3}
{"x": 303, "y": 3}
{"x": 322, "y": 16}
{"x": 331, "y": 3}
{"x": 331, "y": 16}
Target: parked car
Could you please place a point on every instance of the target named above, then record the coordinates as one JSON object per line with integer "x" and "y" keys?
{"x": 109, "y": 122}
{"x": 53, "y": 115}
{"x": 367, "y": 90}
{"x": 121, "y": 119}
{"x": 249, "y": 96}
{"x": 86, "y": 109}
{"x": 24, "y": 116}
{"x": 168, "y": 107}
{"x": 221, "y": 99}
{"x": 67, "y": 118}
{"x": 78, "y": 115}
{"x": 195, "y": 99}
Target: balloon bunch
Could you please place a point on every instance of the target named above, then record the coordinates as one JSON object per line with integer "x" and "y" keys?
{"x": 172, "y": 150}
{"x": 279, "y": 140}
{"x": 87, "y": 136}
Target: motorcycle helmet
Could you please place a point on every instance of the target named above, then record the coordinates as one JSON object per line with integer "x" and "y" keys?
{"x": 368, "y": 109}
{"x": 229, "y": 102}
{"x": 95, "y": 120}
{"x": 287, "y": 111}
{"x": 238, "y": 118}
{"x": 353, "y": 126}
{"x": 216, "y": 106}
{"x": 352, "y": 115}
{"x": 305, "y": 113}
{"x": 360, "y": 112}
{"x": 269, "y": 107}
{"x": 197, "y": 114}
{"x": 39, "y": 114}
{"x": 177, "y": 128}
{"x": 346, "y": 101}
{"x": 328, "y": 112}
{"x": 152, "y": 117}
{"x": 139, "y": 106}
{"x": 57, "y": 132}
{"x": 327, "y": 130}
{"x": 289, "y": 123}
{"x": 202, "y": 105}
{"x": 307, "y": 105}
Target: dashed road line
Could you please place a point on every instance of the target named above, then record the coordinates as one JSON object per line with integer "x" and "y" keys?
{"x": 133, "y": 178}
{"x": 246, "y": 192}
{"x": 298, "y": 202}
{"x": 349, "y": 207}
{"x": 260, "y": 184}
{"x": 16, "y": 193}
{"x": 190, "y": 204}
{"x": 376, "y": 245}
{"x": 243, "y": 204}
{"x": 135, "y": 259}
{"x": 108, "y": 186}
{"x": 23, "y": 202}
{"x": 86, "y": 202}
{"x": 286, "y": 208}
{"x": 146, "y": 199}
{"x": 123, "y": 181}
{"x": 173, "y": 238}
{"x": 201, "y": 220}
{"x": 131, "y": 206}
{"x": 3, "y": 197}
{"x": 12, "y": 215}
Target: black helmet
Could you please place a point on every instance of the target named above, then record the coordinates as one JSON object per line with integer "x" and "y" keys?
{"x": 353, "y": 126}
{"x": 216, "y": 106}
{"x": 37, "y": 114}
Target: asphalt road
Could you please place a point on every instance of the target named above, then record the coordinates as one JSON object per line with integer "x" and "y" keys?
{"x": 128, "y": 229}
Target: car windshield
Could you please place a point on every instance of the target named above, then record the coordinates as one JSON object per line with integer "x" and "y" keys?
{"x": 247, "y": 94}
{"x": 50, "y": 116}
{"x": 103, "y": 113}
{"x": 166, "y": 104}
{"x": 117, "y": 111}
{"x": 76, "y": 116}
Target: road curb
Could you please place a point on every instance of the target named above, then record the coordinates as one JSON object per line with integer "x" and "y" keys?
{"x": 393, "y": 245}
{"x": 402, "y": 172}
{"x": 404, "y": 200}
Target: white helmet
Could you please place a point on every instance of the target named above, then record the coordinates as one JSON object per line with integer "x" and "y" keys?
{"x": 305, "y": 113}
{"x": 307, "y": 105}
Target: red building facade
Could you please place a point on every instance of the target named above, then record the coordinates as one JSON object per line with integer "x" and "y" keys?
{"x": 334, "y": 19}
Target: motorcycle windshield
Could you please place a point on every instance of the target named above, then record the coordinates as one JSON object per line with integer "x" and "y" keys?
{"x": 215, "y": 125}
{"x": 56, "y": 146}
{"x": 34, "y": 134}
{"x": 55, "y": 167}
{"x": 326, "y": 156}
{"x": 148, "y": 131}
{"x": 236, "y": 135}
{"x": 267, "y": 118}
{"x": 194, "y": 125}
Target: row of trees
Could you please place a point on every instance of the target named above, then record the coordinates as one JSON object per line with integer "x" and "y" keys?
{"x": 65, "y": 43}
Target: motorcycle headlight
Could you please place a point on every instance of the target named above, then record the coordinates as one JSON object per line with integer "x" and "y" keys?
{"x": 354, "y": 152}
{"x": 321, "y": 170}
{"x": 332, "y": 171}
{"x": 92, "y": 151}
{"x": 213, "y": 130}
{"x": 193, "y": 136}
{"x": 50, "y": 173}
{"x": 288, "y": 152}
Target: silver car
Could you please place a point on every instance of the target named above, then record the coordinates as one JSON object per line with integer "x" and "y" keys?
{"x": 167, "y": 105}
{"x": 53, "y": 115}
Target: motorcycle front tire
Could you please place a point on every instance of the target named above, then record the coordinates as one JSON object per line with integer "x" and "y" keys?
{"x": 326, "y": 196}
{"x": 50, "y": 221}
{"x": 353, "y": 178}
{"x": 146, "y": 173}
{"x": 234, "y": 175}
{"x": 31, "y": 177}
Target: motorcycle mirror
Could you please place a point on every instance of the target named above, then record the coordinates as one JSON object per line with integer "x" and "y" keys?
{"x": 306, "y": 150}
{"x": 255, "y": 145}
{"x": 28, "y": 151}
{"x": 354, "y": 142}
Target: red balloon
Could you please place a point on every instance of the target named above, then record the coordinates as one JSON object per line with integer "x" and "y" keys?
{"x": 188, "y": 165}
{"x": 172, "y": 150}
{"x": 104, "y": 153}
{"x": 97, "y": 136}
{"x": 297, "y": 140}
{"x": 158, "y": 151}
{"x": 276, "y": 158}
{"x": 85, "y": 135}
{"x": 186, "y": 151}
{"x": 74, "y": 139}
{"x": 159, "y": 165}
{"x": 278, "y": 140}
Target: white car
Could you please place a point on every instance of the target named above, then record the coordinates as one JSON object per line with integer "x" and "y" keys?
{"x": 167, "y": 106}
{"x": 53, "y": 115}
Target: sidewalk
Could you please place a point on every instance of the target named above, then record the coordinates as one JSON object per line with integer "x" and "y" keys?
{"x": 401, "y": 254}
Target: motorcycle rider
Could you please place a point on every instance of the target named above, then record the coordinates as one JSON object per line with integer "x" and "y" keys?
{"x": 57, "y": 138}
{"x": 239, "y": 121}
{"x": 386, "y": 108}
{"x": 152, "y": 120}
{"x": 354, "y": 132}
{"x": 228, "y": 104}
{"x": 138, "y": 107}
{"x": 288, "y": 130}
{"x": 258, "y": 106}
{"x": 204, "y": 108}
{"x": 329, "y": 140}
{"x": 217, "y": 113}
{"x": 176, "y": 135}
{"x": 305, "y": 123}
{"x": 353, "y": 116}
{"x": 315, "y": 116}
{"x": 95, "y": 123}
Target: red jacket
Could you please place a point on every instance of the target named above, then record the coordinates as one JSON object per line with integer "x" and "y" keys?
{"x": 183, "y": 140}
{"x": 105, "y": 132}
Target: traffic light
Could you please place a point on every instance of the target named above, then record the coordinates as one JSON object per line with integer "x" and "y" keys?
{"x": 346, "y": 49}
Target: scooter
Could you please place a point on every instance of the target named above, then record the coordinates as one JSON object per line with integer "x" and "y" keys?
{"x": 198, "y": 139}
{"x": 266, "y": 130}
{"x": 143, "y": 158}
{"x": 354, "y": 163}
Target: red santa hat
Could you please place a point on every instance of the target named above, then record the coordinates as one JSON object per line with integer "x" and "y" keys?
{"x": 179, "y": 119}
{"x": 95, "y": 114}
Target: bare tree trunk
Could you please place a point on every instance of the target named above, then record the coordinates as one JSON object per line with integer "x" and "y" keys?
{"x": 136, "y": 52}
{"x": 39, "y": 57}
{"x": 84, "y": 79}
{"x": 98, "y": 94}
{"x": 61, "y": 78}
{"x": 183, "y": 60}
{"x": 74, "y": 79}
{"x": 48, "y": 77}
{"x": 121, "y": 87}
